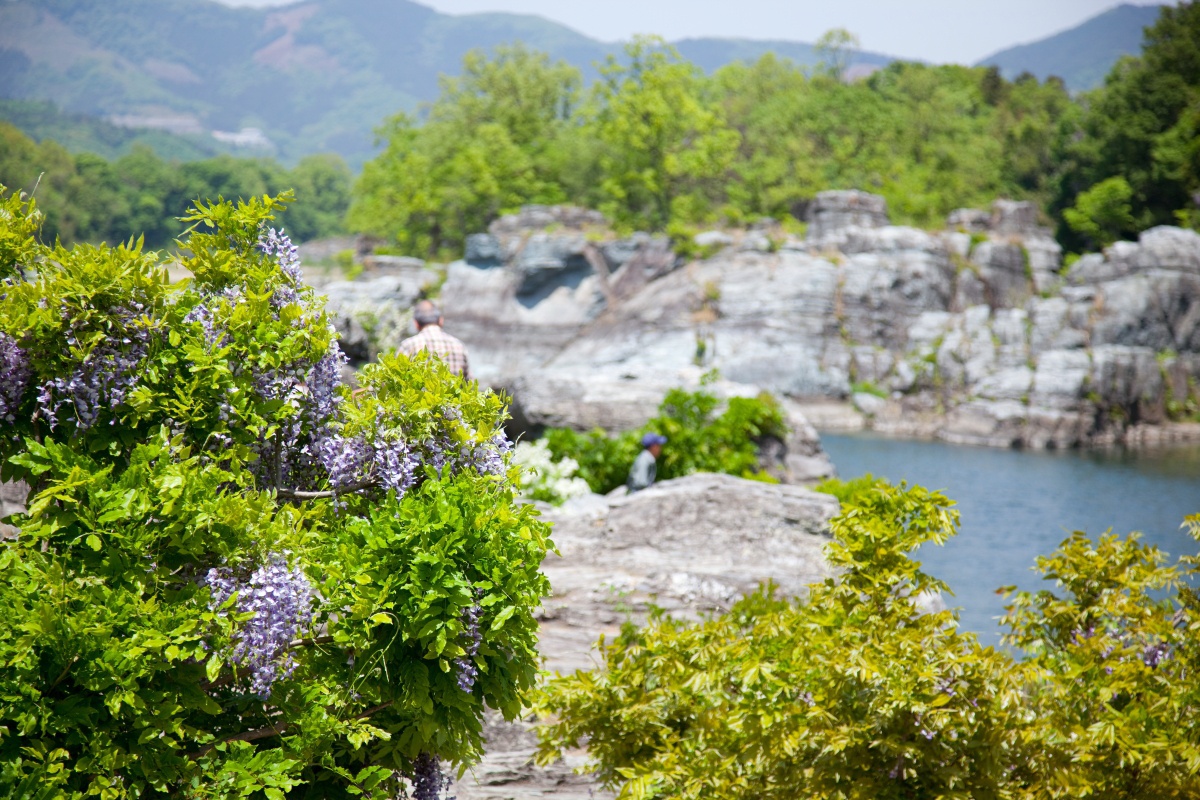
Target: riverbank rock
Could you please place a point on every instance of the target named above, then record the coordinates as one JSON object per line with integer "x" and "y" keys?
{"x": 974, "y": 333}
{"x": 374, "y": 313}
{"x": 689, "y": 545}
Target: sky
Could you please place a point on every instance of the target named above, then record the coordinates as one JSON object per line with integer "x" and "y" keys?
{"x": 941, "y": 31}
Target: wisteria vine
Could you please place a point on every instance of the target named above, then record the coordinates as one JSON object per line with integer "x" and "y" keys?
{"x": 14, "y": 377}
{"x": 104, "y": 377}
{"x": 281, "y": 600}
{"x": 464, "y": 666}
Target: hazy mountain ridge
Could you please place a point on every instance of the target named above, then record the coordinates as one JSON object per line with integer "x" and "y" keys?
{"x": 1082, "y": 55}
{"x": 313, "y": 76}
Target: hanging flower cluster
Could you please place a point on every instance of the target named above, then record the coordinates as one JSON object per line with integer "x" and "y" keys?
{"x": 281, "y": 601}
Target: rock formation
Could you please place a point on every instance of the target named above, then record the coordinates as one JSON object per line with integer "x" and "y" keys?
{"x": 975, "y": 333}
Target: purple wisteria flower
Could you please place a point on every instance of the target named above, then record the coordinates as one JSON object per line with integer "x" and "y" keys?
{"x": 14, "y": 377}
{"x": 104, "y": 377}
{"x": 464, "y": 666}
{"x": 277, "y": 245}
{"x": 427, "y": 778}
{"x": 1155, "y": 653}
{"x": 281, "y": 600}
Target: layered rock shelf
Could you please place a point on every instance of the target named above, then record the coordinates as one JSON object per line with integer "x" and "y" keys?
{"x": 975, "y": 333}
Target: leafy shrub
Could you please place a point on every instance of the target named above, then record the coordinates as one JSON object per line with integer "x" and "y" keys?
{"x": 857, "y": 691}
{"x": 545, "y": 479}
{"x": 854, "y": 691}
{"x": 1103, "y": 213}
{"x": 235, "y": 576}
{"x": 849, "y": 492}
{"x": 698, "y": 440}
{"x": 1113, "y": 669}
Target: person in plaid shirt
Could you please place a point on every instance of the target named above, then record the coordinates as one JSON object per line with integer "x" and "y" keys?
{"x": 430, "y": 337}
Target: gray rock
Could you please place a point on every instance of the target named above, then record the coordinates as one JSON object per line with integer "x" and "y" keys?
{"x": 833, "y": 211}
{"x": 868, "y": 404}
{"x": 971, "y": 220}
{"x": 1061, "y": 379}
{"x": 539, "y": 218}
{"x": 483, "y": 251}
{"x": 695, "y": 543}
{"x": 12, "y": 501}
{"x": 713, "y": 239}
{"x": 1004, "y": 271}
{"x": 378, "y": 264}
{"x": 1013, "y": 383}
{"x": 1015, "y": 217}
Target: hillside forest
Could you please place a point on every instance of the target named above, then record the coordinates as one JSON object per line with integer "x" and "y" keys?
{"x": 657, "y": 144}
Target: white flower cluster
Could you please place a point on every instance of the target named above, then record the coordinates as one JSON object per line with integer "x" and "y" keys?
{"x": 546, "y": 479}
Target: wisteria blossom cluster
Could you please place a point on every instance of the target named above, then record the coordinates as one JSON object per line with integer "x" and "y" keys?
{"x": 428, "y": 780}
{"x": 464, "y": 666}
{"x": 1153, "y": 653}
{"x": 281, "y": 600}
{"x": 104, "y": 377}
{"x": 14, "y": 377}
{"x": 353, "y": 461}
{"x": 442, "y": 452}
{"x": 278, "y": 245}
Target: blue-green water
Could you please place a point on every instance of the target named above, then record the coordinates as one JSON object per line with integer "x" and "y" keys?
{"x": 1016, "y": 505}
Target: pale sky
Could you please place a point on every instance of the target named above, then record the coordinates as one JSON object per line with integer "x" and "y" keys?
{"x": 962, "y": 31}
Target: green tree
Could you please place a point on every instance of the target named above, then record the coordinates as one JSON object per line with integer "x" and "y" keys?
{"x": 665, "y": 148}
{"x": 1102, "y": 213}
{"x": 834, "y": 49}
{"x": 489, "y": 145}
{"x": 1142, "y": 126}
{"x": 236, "y": 577}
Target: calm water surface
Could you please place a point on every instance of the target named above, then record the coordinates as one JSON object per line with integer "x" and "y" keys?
{"x": 1016, "y": 505}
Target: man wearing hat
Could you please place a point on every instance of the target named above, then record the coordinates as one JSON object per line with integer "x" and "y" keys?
{"x": 641, "y": 474}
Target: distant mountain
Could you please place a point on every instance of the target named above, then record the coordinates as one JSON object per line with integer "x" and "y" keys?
{"x": 313, "y": 76}
{"x": 40, "y": 119}
{"x": 710, "y": 54}
{"x": 1083, "y": 55}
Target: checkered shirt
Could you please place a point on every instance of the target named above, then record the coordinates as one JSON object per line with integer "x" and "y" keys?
{"x": 435, "y": 340}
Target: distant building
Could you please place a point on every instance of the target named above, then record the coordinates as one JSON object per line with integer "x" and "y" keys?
{"x": 247, "y": 138}
{"x": 181, "y": 124}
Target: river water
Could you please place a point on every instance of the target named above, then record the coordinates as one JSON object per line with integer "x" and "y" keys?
{"x": 1018, "y": 504}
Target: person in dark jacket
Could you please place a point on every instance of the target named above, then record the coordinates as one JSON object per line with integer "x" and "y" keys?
{"x": 645, "y": 466}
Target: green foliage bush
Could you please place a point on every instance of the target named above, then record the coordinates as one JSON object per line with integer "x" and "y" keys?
{"x": 857, "y": 691}
{"x": 698, "y": 440}
{"x": 1102, "y": 213}
{"x": 86, "y": 198}
{"x": 181, "y": 441}
{"x": 850, "y": 491}
{"x": 658, "y": 145}
{"x": 1143, "y": 127}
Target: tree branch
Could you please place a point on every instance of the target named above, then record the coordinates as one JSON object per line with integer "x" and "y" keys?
{"x": 293, "y": 494}
{"x": 272, "y": 730}
{"x": 247, "y": 736}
